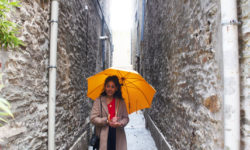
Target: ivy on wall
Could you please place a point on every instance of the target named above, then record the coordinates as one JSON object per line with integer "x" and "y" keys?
{"x": 8, "y": 29}
{"x": 4, "y": 110}
{"x": 8, "y": 39}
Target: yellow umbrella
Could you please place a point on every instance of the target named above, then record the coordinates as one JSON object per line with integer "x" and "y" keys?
{"x": 137, "y": 93}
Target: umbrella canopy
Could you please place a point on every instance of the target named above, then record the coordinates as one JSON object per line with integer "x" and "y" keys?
{"x": 137, "y": 93}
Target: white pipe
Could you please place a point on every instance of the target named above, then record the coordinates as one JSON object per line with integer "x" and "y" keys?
{"x": 230, "y": 75}
{"x": 52, "y": 73}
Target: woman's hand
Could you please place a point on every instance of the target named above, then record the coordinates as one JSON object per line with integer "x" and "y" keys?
{"x": 114, "y": 119}
{"x": 114, "y": 122}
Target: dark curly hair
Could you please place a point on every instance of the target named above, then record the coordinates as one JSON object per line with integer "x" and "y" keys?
{"x": 118, "y": 93}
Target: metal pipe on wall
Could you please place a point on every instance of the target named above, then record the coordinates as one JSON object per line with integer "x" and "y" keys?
{"x": 142, "y": 23}
{"x": 52, "y": 73}
{"x": 103, "y": 45}
{"x": 230, "y": 75}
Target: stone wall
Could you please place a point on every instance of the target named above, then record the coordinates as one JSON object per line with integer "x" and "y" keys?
{"x": 25, "y": 74}
{"x": 181, "y": 58}
{"x": 136, "y": 32}
{"x": 244, "y": 47}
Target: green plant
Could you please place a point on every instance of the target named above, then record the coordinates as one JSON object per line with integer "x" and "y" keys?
{"x": 8, "y": 29}
{"x": 4, "y": 110}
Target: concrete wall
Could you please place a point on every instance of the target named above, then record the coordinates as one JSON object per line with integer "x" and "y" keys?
{"x": 181, "y": 58}
{"x": 25, "y": 74}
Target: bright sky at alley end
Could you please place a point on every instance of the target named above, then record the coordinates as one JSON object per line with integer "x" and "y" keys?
{"x": 121, "y": 11}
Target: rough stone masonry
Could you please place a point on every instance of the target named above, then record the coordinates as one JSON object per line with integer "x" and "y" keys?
{"x": 182, "y": 58}
{"x": 25, "y": 74}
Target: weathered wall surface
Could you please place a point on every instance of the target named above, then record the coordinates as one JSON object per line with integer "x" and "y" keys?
{"x": 244, "y": 47}
{"x": 25, "y": 74}
{"x": 181, "y": 58}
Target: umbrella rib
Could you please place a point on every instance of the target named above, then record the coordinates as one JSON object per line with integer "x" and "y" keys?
{"x": 119, "y": 73}
{"x": 127, "y": 75}
{"x": 129, "y": 86}
{"x": 135, "y": 80}
{"x": 140, "y": 91}
{"x": 130, "y": 82}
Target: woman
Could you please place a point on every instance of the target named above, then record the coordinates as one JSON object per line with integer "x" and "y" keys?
{"x": 111, "y": 120}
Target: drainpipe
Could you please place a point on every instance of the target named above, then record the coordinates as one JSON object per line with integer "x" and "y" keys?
{"x": 87, "y": 36}
{"x": 142, "y": 23}
{"x": 103, "y": 45}
{"x": 52, "y": 73}
{"x": 230, "y": 75}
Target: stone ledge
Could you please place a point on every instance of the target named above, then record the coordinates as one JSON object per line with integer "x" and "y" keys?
{"x": 160, "y": 141}
{"x": 7, "y": 131}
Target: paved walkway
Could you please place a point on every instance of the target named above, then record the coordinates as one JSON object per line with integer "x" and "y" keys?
{"x": 138, "y": 137}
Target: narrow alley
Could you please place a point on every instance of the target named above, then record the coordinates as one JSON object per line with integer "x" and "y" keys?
{"x": 195, "y": 56}
{"x": 137, "y": 134}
